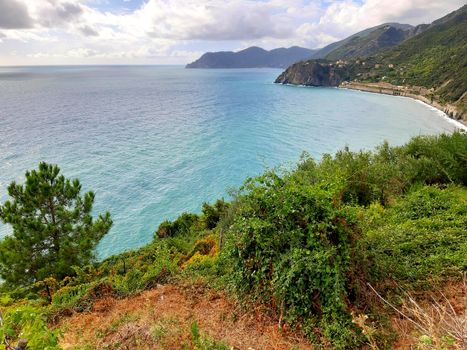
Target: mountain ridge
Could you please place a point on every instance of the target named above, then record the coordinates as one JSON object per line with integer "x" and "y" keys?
{"x": 252, "y": 57}
{"x": 431, "y": 64}
{"x": 368, "y": 41}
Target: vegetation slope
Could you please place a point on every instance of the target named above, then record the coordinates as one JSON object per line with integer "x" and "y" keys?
{"x": 368, "y": 42}
{"x": 436, "y": 58}
{"x": 330, "y": 250}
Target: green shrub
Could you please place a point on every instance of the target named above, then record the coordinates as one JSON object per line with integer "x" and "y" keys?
{"x": 419, "y": 240}
{"x": 213, "y": 213}
{"x": 144, "y": 271}
{"x": 81, "y": 297}
{"x": 438, "y": 159}
{"x": 289, "y": 247}
{"x": 181, "y": 225}
{"x": 29, "y": 323}
{"x": 294, "y": 239}
{"x": 388, "y": 172}
{"x": 6, "y": 299}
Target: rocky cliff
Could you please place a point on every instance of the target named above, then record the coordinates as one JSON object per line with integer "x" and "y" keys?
{"x": 313, "y": 73}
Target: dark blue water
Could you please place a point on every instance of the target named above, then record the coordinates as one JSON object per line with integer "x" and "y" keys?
{"x": 153, "y": 142}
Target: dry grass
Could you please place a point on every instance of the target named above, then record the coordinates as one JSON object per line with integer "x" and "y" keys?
{"x": 161, "y": 318}
{"x": 434, "y": 321}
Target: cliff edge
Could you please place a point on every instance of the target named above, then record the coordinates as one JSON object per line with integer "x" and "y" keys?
{"x": 313, "y": 73}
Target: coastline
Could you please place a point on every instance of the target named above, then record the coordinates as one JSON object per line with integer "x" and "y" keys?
{"x": 448, "y": 112}
{"x": 460, "y": 124}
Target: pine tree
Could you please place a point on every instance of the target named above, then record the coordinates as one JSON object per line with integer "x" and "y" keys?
{"x": 53, "y": 229}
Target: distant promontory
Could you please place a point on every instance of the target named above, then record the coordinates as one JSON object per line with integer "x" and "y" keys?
{"x": 253, "y": 57}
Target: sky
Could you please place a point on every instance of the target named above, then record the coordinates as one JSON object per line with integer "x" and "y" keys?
{"x": 49, "y": 32}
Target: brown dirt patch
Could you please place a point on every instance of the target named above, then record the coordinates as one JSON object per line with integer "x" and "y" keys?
{"x": 161, "y": 319}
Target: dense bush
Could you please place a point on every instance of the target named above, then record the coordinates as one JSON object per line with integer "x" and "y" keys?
{"x": 294, "y": 240}
{"x": 440, "y": 159}
{"x": 186, "y": 222}
{"x": 290, "y": 248}
{"x": 418, "y": 241}
{"x": 388, "y": 172}
{"x": 213, "y": 213}
{"x": 26, "y": 322}
{"x": 181, "y": 225}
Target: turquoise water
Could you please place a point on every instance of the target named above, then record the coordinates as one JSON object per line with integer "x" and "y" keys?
{"x": 153, "y": 142}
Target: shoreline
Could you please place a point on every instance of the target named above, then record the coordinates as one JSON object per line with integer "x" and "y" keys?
{"x": 458, "y": 123}
{"x": 389, "y": 90}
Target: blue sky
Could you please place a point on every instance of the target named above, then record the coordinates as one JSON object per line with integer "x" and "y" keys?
{"x": 178, "y": 31}
{"x": 117, "y": 6}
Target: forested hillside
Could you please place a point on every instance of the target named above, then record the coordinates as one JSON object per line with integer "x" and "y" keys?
{"x": 368, "y": 42}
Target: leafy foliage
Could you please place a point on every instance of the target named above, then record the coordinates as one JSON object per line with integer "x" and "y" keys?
{"x": 213, "y": 213}
{"x": 303, "y": 242}
{"x": 300, "y": 242}
{"x": 188, "y": 222}
{"x": 181, "y": 225}
{"x": 27, "y": 322}
{"x": 437, "y": 160}
{"x": 291, "y": 249}
{"x": 420, "y": 238}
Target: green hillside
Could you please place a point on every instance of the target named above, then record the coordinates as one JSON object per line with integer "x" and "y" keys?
{"x": 436, "y": 58}
{"x": 367, "y": 42}
{"x": 379, "y": 39}
{"x": 308, "y": 248}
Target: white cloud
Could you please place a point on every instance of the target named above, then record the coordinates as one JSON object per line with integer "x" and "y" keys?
{"x": 210, "y": 20}
{"x": 352, "y": 15}
{"x": 174, "y": 29}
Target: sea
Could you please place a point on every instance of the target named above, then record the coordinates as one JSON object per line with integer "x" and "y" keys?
{"x": 155, "y": 141}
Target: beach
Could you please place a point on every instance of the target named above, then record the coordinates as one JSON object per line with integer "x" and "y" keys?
{"x": 450, "y": 112}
